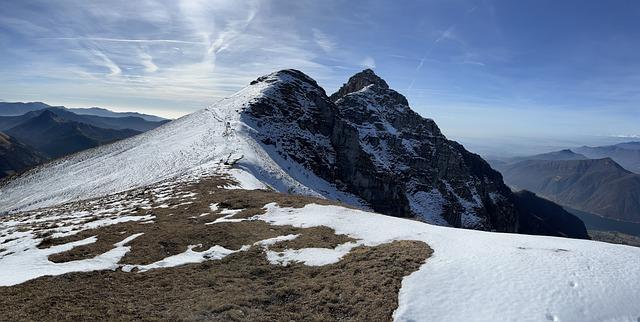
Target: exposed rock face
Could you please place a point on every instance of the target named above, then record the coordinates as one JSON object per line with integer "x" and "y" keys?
{"x": 430, "y": 177}
{"x": 361, "y": 80}
{"x": 296, "y": 117}
{"x": 368, "y": 141}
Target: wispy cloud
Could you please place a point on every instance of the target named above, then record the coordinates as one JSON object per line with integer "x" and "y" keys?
{"x": 444, "y": 35}
{"x": 323, "y": 40}
{"x": 627, "y": 136}
{"x": 102, "y": 59}
{"x": 147, "y": 61}
{"x": 448, "y": 34}
{"x": 472, "y": 62}
{"x": 212, "y": 49}
{"x": 176, "y": 56}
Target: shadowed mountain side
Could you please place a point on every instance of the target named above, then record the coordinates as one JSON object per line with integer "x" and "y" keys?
{"x": 16, "y": 156}
{"x": 598, "y": 186}
{"x": 539, "y": 216}
{"x": 56, "y": 137}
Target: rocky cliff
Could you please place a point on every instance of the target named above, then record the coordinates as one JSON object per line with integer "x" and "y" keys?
{"x": 366, "y": 139}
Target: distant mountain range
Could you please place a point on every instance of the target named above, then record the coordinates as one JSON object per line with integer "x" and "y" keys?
{"x": 556, "y": 155}
{"x": 56, "y": 136}
{"x": 598, "y": 186}
{"x": 43, "y": 132}
{"x": 626, "y": 154}
{"x": 19, "y": 108}
{"x": 126, "y": 122}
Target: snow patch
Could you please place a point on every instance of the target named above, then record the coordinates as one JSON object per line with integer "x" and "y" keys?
{"x": 228, "y": 213}
{"x": 310, "y": 256}
{"x": 483, "y": 276}
{"x": 188, "y": 257}
{"x": 26, "y": 261}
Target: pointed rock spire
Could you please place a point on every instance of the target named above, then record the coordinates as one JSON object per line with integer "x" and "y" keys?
{"x": 358, "y": 82}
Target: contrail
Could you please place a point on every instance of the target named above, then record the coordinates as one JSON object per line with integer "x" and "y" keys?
{"x": 445, "y": 34}
{"x": 168, "y": 41}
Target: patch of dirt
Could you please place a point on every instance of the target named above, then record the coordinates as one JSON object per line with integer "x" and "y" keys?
{"x": 321, "y": 237}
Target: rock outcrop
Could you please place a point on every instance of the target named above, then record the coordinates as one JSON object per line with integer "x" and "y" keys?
{"x": 367, "y": 141}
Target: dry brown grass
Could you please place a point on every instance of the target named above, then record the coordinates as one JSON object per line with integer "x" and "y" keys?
{"x": 174, "y": 230}
{"x": 244, "y": 286}
{"x": 363, "y": 286}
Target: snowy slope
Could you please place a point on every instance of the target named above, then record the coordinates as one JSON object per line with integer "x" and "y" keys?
{"x": 471, "y": 276}
{"x": 195, "y": 142}
{"x": 483, "y": 276}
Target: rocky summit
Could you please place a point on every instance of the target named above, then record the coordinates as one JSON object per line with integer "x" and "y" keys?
{"x": 363, "y": 146}
{"x": 366, "y": 139}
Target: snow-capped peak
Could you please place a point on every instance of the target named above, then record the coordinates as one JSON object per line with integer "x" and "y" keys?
{"x": 363, "y": 146}
{"x": 197, "y": 142}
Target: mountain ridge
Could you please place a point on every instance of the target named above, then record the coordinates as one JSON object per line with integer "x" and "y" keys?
{"x": 57, "y": 137}
{"x": 599, "y": 186}
{"x": 367, "y": 149}
{"x": 626, "y": 154}
{"x": 20, "y": 108}
{"x": 117, "y": 123}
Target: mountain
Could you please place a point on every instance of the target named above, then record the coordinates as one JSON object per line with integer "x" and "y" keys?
{"x": 615, "y": 237}
{"x": 56, "y": 137}
{"x": 260, "y": 208}
{"x": 599, "y": 186}
{"x": 97, "y": 111}
{"x": 16, "y": 156}
{"x": 556, "y": 155}
{"x": 634, "y": 145}
{"x": 202, "y": 247}
{"x": 19, "y": 108}
{"x": 367, "y": 149}
{"x": 626, "y": 154}
{"x": 118, "y": 123}
{"x": 51, "y": 132}
{"x": 374, "y": 146}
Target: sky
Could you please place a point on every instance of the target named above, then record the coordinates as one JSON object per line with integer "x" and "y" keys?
{"x": 492, "y": 72}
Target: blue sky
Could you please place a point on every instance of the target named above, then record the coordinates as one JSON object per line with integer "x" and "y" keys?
{"x": 481, "y": 68}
